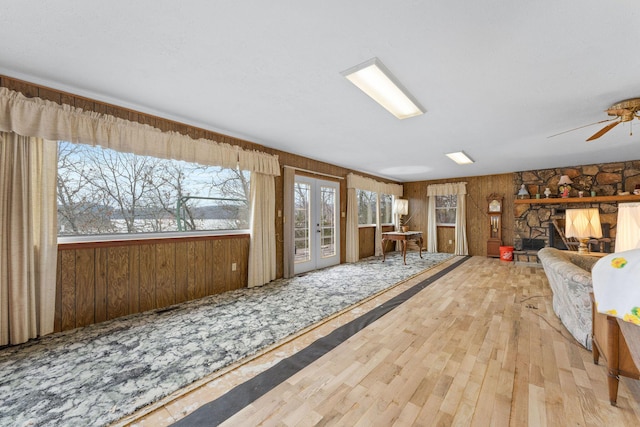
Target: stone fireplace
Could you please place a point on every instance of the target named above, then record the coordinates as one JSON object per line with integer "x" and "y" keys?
{"x": 534, "y": 218}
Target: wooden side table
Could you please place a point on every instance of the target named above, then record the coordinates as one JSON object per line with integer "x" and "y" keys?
{"x": 610, "y": 343}
{"x": 402, "y": 238}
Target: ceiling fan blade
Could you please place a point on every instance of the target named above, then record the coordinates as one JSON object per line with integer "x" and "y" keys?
{"x": 604, "y": 130}
{"x": 591, "y": 124}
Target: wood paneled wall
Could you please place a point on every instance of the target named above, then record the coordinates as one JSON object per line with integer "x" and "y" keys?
{"x": 98, "y": 282}
{"x": 367, "y": 240}
{"x": 60, "y": 97}
{"x": 478, "y": 189}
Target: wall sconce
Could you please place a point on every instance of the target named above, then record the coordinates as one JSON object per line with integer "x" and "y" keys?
{"x": 628, "y": 227}
{"x": 564, "y": 186}
{"x": 583, "y": 224}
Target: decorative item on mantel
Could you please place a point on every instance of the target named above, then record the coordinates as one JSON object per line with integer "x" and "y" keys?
{"x": 564, "y": 186}
{"x": 523, "y": 193}
{"x": 547, "y": 192}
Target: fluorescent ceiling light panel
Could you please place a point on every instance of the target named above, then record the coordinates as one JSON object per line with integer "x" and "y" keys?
{"x": 460, "y": 158}
{"x": 374, "y": 79}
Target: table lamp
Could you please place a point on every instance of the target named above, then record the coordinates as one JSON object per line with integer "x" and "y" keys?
{"x": 564, "y": 185}
{"x": 400, "y": 207}
{"x": 583, "y": 224}
{"x": 523, "y": 193}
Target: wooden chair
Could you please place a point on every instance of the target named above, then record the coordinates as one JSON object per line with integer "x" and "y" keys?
{"x": 570, "y": 242}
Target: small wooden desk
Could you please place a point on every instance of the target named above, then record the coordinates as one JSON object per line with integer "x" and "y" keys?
{"x": 402, "y": 238}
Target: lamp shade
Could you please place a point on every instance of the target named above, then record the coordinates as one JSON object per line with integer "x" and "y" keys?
{"x": 583, "y": 223}
{"x": 628, "y": 227}
{"x": 564, "y": 180}
{"x": 401, "y": 206}
{"x": 523, "y": 191}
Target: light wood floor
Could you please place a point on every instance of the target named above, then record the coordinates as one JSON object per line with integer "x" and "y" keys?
{"x": 480, "y": 346}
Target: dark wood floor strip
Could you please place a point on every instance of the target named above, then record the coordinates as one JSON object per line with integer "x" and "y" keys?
{"x": 219, "y": 410}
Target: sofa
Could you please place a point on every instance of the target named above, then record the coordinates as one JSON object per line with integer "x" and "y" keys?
{"x": 569, "y": 275}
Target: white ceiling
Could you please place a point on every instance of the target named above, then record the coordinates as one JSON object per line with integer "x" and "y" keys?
{"x": 496, "y": 77}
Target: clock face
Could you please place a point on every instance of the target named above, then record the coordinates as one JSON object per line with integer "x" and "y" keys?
{"x": 494, "y": 206}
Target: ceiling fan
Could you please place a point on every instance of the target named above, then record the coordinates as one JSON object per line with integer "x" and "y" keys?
{"x": 624, "y": 111}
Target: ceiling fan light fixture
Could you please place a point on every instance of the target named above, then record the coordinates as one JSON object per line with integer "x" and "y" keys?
{"x": 374, "y": 79}
{"x": 460, "y": 158}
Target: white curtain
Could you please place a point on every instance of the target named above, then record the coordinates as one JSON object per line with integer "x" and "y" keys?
{"x": 288, "y": 222}
{"x": 46, "y": 119}
{"x": 628, "y": 227}
{"x": 456, "y": 188}
{"x": 432, "y": 229}
{"x": 377, "y": 241}
{"x": 28, "y": 246}
{"x": 262, "y": 247}
{"x": 353, "y": 238}
{"x": 361, "y": 183}
{"x": 461, "y": 247}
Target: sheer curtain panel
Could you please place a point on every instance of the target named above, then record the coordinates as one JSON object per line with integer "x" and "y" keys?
{"x": 288, "y": 220}
{"x": 353, "y": 241}
{"x": 262, "y": 247}
{"x": 28, "y": 225}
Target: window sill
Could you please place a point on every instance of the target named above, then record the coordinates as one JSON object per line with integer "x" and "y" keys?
{"x": 110, "y": 240}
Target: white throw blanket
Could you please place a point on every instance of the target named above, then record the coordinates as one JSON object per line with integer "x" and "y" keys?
{"x": 616, "y": 285}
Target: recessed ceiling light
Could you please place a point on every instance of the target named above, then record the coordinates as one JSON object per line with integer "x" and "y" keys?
{"x": 460, "y": 158}
{"x": 374, "y": 79}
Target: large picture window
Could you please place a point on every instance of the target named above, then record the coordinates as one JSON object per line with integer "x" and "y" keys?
{"x": 102, "y": 191}
{"x": 367, "y": 208}
{"x": 446, "y": 210}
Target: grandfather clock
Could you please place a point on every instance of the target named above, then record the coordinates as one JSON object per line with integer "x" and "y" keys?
{"x": 494, "y": 210}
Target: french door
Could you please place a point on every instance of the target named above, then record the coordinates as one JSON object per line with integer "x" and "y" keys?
{"x": 317, "y": 224}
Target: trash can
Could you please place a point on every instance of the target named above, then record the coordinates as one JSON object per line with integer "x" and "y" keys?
{"x": 506, "y": 253}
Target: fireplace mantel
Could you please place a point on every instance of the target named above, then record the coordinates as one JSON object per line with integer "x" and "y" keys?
{"x": 560, "y": 201}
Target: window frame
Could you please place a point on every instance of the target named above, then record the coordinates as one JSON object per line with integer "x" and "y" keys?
{"x": 105, "y": 237}
{"x": 390, "y": 209}
{"x": 454, "y": 198}
{"x": 373, "y": 215}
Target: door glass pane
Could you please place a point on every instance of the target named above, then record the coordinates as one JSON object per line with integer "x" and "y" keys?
{"x": 302, "y": 224}
{"x": 327, "y": 221}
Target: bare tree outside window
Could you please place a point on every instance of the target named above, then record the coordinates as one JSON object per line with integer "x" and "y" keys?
{"x": 446, "y": 210}
{"x": 101, "y": 191}
{"x": 366, "y": 207}
{"x": 386, "y": 209}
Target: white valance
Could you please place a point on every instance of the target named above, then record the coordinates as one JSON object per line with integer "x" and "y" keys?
{"x": 368, "y": 184}
{"x": 447, "y": 189}
{"x": 45, "y": 119}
